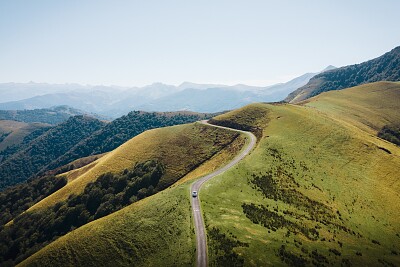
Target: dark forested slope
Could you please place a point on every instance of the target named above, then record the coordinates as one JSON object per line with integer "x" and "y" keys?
{"x": 79, "y": 137}
{"x": 44, "y": 149}
{"x": 122, "y": 129}
{"x": 383, "y": 68}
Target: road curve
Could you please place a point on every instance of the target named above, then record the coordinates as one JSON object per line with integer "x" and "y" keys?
{"x": 201, "y": 237}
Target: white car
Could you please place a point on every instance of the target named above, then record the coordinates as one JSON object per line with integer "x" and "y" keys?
{"x": 194, "y": 194}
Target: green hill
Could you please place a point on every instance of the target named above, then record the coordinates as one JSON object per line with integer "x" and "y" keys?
{"x": 121, "y": 130}
{"x": 45, "y": 148}
{"x": 33, "y": 156}
{"x": 383, "y": 68}
{"x": 371, "y": 107}
{"x": 13, "y": 134}
{"x": 320, "y": 188}
{"x": 180, "y": 150}
{"x": 16, "y": 199}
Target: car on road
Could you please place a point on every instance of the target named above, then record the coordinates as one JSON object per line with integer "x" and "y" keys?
{"x": 194, "y": 194}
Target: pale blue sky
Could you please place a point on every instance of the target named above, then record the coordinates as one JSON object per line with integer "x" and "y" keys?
{"x": 140, "y": 42}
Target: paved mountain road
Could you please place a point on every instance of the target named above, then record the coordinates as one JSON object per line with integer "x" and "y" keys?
{"x": 201, "y": 237}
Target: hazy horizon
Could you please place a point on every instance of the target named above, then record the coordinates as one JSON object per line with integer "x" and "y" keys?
{"x": 132, "y": 43}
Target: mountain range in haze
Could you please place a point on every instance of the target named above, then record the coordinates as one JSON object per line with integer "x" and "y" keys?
{"x": 114, "y": 101}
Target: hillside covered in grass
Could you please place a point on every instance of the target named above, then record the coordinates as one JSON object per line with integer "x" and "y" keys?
{"x": 319, "y": 189}
{"x": 122, "y": 129}
{"x": 383, "y": 68}
{"x": 140, "y": 168}
{"x": 44, "y": 149}
{"x": 371, "y": 107}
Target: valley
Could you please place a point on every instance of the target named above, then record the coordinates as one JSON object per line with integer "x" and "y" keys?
{"x": 319, "y": 187}
{"x": 312, "y": 180}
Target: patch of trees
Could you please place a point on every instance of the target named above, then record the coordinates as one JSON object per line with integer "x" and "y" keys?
{"x": 279, "y": 183}
{"x": 381, "y": 261}
{"x": 109, "y": 193}
{"x": 51, "y": 145}
{"x": 222, "y": 246}
{"x": 3, "y": 136}
{"x": 272, "y": 220}
{"x": 19, "y": 198}
{"x": 390, "y": 133}
{"x": 335, "y": 251}
{"x": 318, "y": 259}
{"x": 290, "y": 258}
{"x": 12, "y": 149}
{"x": 272, "y": 185}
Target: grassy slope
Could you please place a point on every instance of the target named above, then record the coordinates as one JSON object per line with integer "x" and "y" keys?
{"x": 335, "y": 164}
{"x": 369, "y": 106}
{"x": 154, "y": 231}
{"x": 18, "y": 131}
{"x": 251, "y": 115}
{"x": 157, "y": 230}
{"x": 180, "y": 148}
{"x": 76, "y": 164}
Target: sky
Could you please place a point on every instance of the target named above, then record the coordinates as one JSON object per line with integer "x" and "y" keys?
{"x": 134, "y": 43}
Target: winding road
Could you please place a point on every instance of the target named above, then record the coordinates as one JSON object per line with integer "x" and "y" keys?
{"x": 201, "y": 237}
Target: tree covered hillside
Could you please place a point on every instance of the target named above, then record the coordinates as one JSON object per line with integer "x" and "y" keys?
{"x": 12, "y": 148}
{"x": 121, "y": 130}
{"x": 141, "y": 167}
{"x": 13, "y": 133}
{"x": 16, "y": 199}
{"x": 54, "y": 115}
{"x": 47, "y": 147}
{"x": 79, "y": 137}
{"x": 109, "y": 193}
{"x": 383, "y": 68}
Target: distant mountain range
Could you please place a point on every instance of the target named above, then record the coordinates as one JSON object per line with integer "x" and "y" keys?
{"x": 214, "y": 99}
{"x": 113, "y": 101}
{"x": 383, "y": 68}
{"x": 53, "y": 115}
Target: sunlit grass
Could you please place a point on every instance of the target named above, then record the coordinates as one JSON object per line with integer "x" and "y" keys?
{"x": 180, "y": 148}
{"x": 152, "y": 232}
{"x": 335, "y": 165}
